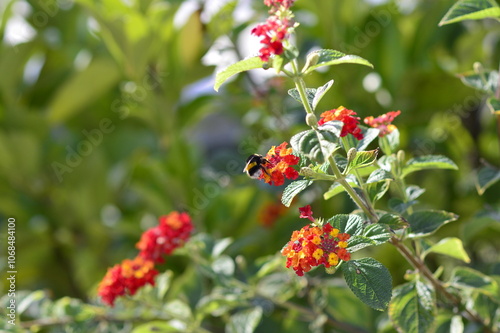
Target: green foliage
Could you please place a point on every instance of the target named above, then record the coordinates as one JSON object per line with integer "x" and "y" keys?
{"x": 370, "y": 281}
{"x": 487, "y": 175}
{"x": 293, "y": 189}
{"x": 426, "y": 222}
{"x": 450, "y": 246}
{"x": 471, "y": 10}
{"x": 333, "y": 57}
{"x": 240, "y": 66}
{"x": 428, "y": 162}
{"x": 318, "y": 144}
{"x": 412, "y": 307}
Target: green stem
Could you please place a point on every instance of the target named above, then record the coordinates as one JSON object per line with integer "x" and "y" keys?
{"x": 301, "y": 88}
{"x": 365, "y": 207}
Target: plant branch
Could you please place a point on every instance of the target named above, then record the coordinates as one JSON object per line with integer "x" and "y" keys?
{"x": 367, "y": 209}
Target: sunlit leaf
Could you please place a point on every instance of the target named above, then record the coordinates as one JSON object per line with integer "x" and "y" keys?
{"x": 240, "y": 66}
{"x": 451, "y": 247}
{"x": 333, "y": 57}
{"x": 471, "y": 10}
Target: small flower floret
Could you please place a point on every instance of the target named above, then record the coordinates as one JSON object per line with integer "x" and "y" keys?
{"x": 306, "y": 213}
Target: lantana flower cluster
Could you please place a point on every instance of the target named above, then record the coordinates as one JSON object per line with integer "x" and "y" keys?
{"x": 315, "y": 245}
{"x": 276, "y": 29}
{"x": 279, "y": 165}
{"x": 129, "y": 276}
{"x": 383, "y": 122}
{"x": 347, "y": 117}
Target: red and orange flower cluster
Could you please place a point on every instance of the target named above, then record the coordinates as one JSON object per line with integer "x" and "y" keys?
{"x": 383, "y": 122}
{"x": 276, "y": 28}
{"x": 351, "y": 123}
{"x": 347, "y": 117}
{"x": 172, "y": 232}
{"x": 279, "y": 165}
{"x": 315, "y": 245}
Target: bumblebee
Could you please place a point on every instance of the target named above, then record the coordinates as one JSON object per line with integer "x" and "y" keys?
{"x": 255, "y": 166}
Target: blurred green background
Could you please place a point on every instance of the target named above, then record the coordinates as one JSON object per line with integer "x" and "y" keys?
{"x": 108, "y": 119}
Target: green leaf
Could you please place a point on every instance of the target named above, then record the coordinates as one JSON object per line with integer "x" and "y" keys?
{"x": 361, "y": 159}
{"x": 378, "y": 176}
{"x": 428, "y": 162}
{"x": 471, "y": 10}
{"x": 378, "y": 233}
{"x": 240, "y": 66}
{"x": 332, "y": 57}
{"x": 357, "y": 243}
{"x": 423, "y": 223}
{"x": 369, "y": 134}
{"x": 486, "y": 176}
{"x": 178, "y": 309}
{"x": 413, "y": 192}
{"x": 399, "y": 206}
{"x": 377, "y": 190}
{"x": 390, "y": 142}
{"x": 245, "y": 321}
{"x": 370, "y": 281}
{"x": 318, "y": 144}
{"x": 97, "y": 79}
{"x": 320, "y": 92}
{"x": 348, "y": 223}
{"x": 223, "y": 266}
{"x": 451, "y": 247}
{"x": 412, "y": 308}
{"x": 468, "y": 278}
{"x": 163, "y": 283}
{"x": 293, "y": 189}
{"x": 393, "y": 221}
{"x": 493, "y": 105}
{"x": 310, "y": 93}
{"x": 485, "y": 81}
